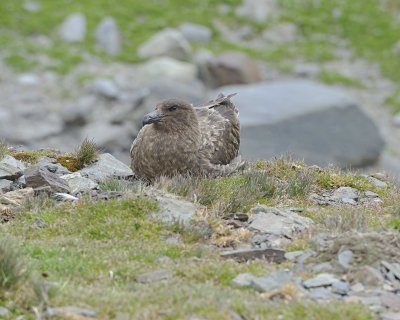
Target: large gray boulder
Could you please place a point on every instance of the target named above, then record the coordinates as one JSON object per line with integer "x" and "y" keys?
{"x": 310, "y": 121}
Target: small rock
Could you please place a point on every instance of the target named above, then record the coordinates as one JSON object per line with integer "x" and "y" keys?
{"x": 4, "y": 312}
{"x": 5, "y": 185}
{"x": 106, "y": 167}
{"x": 257, "y": 10}
{"x": 154, "y": 276}
{"x": 105, "y": 88}
{"x": 266, "y": 240}
{"x": 345, "y": 194}
{"x": 70, "y": 313}
{"x": 345, "y": 258}
{"x": 229, "y": 68}
{"x": 78, "y": 184}
{"x": 31, "y": 6}
{"x": 341, "y": 287}
{"x": 274, "y": 281}
{"x": 195, "y": 33}
{"x": 28, "y": 79}
{"x": 13, "y": 162}
{"x": 392, "y": 267}
{"x": 378, "y": 183}
{"x": 73, "y": 28}
{"x": 323, "y": 267}
{"x": 39, "y": 176}
{"x": 168, "y": 42}
{"x": 293, "y": 255}
{"x": 370, "y": 194}
{"x": 14, "y": 199}
{"x": 243, "y": 255}
{"x": 281, "y": 33}
{"x": 39, "y": 223}
{"x": 358, "y": 287}
{"x": 277, "y": 221}
{"x": 108, "y": 36}
{"x": 174, "y": 209}
{"x": 390, "y": 316}
{"x": 396, "y": 119}
{"x": 58, "y": 196}
{"x": 243, "y": 280}
{"x": 321, "y": 280}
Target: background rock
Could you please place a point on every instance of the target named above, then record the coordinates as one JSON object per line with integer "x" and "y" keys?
{"x": 167, "y": 42}
{"x": 108, "y": 36}
{"x": 307, "y": 120}
{"x": 73, "y": 28}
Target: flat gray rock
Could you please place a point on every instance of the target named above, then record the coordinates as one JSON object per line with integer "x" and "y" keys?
{"x": 106, "y": 167}
{"x": 154, "y": 276}
{"x": 345, "y": 193}
{"x": 274, "y": 281}
{"x": 78, "y": 184}
{"x": 13, "y": 162}
{"x": 277, "y": 221}
{"x": 322, "y": 294}
{"x": 321, "y": 280}
{"x": 311, "y": 121}
{"x": 341, "y": 287}
{"x": 174, "y": 209}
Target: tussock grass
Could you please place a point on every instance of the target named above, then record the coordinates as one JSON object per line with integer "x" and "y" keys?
{"x": 87, "y": 153}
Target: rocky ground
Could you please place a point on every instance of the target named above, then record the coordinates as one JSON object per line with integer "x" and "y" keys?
{"x": 277, "y": 239}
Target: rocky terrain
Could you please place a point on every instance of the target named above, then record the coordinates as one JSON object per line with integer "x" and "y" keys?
{"x": 287, "y": 236}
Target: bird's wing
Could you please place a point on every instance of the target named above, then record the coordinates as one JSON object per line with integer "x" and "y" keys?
{"x": 220, "y": 130}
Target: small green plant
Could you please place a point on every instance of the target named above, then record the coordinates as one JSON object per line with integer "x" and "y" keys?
{"x": 3, "y": 148}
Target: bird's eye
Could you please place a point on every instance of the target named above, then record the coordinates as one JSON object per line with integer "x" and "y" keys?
{"x": 172, "y": 108}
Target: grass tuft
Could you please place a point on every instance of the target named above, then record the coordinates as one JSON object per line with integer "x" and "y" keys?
{"x": 87, "y": 153}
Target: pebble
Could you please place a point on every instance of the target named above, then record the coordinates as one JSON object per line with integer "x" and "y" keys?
{"x": 358, "y": 287}
{"x": 378, "y": 183}
{"x": 340, "y": 287}
{"x": 108, "y": 36}
{"x": 321, "y": 280}
{"x": 4, "y": 312}
{"x": 243, "y": 280}
{"x": 345, "y": 258}
{"x": 370, "y": 194}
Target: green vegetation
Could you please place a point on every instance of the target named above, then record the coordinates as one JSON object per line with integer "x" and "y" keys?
{"x": 322, "y": 25}
{"x": 32, "y": 156}
{"x": 336, "y": 78}
{"x": 394, "y": 101}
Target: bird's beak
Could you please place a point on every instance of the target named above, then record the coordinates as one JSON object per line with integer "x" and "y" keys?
{"x": 152, "y": 117}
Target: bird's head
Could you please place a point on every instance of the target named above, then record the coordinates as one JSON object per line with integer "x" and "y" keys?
{"x": 171, "y": 113}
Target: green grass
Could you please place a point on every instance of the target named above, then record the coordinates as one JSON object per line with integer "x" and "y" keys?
{"x": 320, "y": 24}
{"x": 80, "y": 246}
{"x": 337, "y": 78}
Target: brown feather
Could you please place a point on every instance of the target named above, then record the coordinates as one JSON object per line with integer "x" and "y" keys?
{"x": 187, "y": 140}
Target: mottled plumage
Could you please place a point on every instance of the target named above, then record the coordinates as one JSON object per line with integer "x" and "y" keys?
{"x": 179, "y": 139}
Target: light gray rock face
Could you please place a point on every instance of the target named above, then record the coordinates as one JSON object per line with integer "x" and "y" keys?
{"x": 78, "y": 184}
{"x": 38, "y": 176}
{"x": 310, "y": 121}
{"x": 167, "y": 42}
{"x": 108, "y": 36}
{"x": 174, "y": 209}
{"x": 13, "y": 162}
{"x": 195, "y": 33}
{"x": 106, "y": 167}
{"x": 10, "y": 169}
{"x": 73, "y": 28}
{"x": 276, "y": 221}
